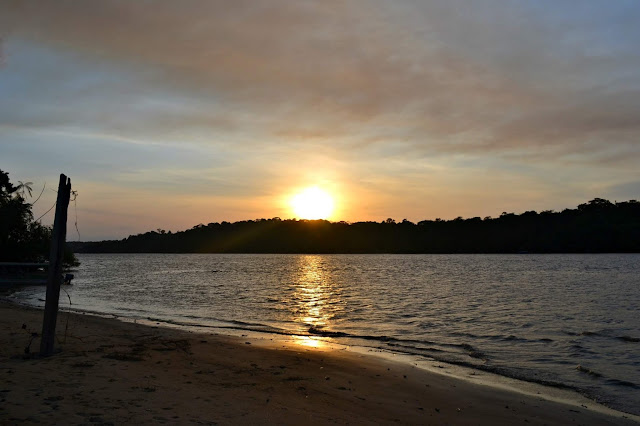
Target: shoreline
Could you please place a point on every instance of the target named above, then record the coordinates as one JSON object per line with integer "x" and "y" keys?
{"x": 111, "y": 371}
{"x": 554, "y": 391}
{"x": 458, "y": 371}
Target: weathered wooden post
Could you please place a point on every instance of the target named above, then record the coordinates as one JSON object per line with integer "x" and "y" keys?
{"x": 58, "y": 239}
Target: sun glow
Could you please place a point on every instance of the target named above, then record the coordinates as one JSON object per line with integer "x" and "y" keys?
{"x": 312, "y": 203}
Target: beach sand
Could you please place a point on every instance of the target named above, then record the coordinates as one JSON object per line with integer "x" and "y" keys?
{"x": 113, "y": 372}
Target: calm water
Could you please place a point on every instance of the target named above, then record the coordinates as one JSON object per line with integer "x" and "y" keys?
{"x": 534, "y": 317}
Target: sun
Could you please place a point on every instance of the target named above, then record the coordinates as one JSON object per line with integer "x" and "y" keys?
{"x": 312, "y": 203}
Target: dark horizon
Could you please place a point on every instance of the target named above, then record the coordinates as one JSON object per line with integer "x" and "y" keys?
{"x": 594, "y": 227}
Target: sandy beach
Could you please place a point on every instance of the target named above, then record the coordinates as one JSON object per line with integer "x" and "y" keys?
{"x": 112, "y": 372}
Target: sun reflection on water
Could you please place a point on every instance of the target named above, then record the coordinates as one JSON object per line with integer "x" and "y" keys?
{"x": 317, "y": 299}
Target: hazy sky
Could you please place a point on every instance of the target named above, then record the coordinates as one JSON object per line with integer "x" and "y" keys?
{"x": 167, "y": 114}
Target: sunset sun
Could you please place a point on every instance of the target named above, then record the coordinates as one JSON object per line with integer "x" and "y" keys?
{"x": 312, "y": 203}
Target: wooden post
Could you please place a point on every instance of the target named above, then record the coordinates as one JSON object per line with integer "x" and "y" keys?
{"x": 58, "y": 239}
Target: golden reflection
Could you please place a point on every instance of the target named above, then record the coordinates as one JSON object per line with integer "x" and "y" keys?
{"x": 318, "y": 300}
{"x": 310, "y": 341}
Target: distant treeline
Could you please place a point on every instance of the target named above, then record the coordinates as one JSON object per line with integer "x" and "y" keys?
{"x": 595, "y": 227}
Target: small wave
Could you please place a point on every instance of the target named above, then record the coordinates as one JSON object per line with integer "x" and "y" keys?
{"x": 253, "y": 324}
{"x": 325, "y": 333}
{"x": 628, "y": 339}
{"x": 588, "y": 371}
{"x": 416, "y": 347}
{"x": 624, "y": 383}
{"x": 473, "y": 352}
{"x": 518, "y": 374}
{"x": 513, "y": 338}
{"x": 414, "y": 350}
{"x": 226, "y": 325}
{"x": 597, "y": 268}
{"x": 177, "y": 271}
{"x": 609, "y": 380}
{"x": 624, "y": 338}
{"x": 586, "y": 333}
{"x": 502, "y": 338}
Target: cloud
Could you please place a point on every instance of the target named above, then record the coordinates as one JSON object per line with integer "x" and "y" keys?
{"x": 440, "y": 76}
{"x": 498, "y": 103}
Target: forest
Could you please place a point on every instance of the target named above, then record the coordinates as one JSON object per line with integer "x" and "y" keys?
{"x": 598, "y": 226}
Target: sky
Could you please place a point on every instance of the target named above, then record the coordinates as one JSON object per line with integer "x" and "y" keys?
{"x": 168, "y": 114}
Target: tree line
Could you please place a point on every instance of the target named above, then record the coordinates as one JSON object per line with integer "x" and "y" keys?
{"x": 598, "y": 226}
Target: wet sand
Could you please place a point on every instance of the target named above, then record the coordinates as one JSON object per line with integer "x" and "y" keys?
{"x": 113, "y": 372}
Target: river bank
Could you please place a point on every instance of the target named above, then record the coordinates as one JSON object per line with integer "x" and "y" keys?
{"x": 113, "y": 372}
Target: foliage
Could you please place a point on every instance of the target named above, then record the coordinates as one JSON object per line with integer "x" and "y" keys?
{"x": 21, "y": 238}
{"x": 597, "y": 226}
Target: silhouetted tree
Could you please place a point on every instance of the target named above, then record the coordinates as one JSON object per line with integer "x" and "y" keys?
{"x": 22, "y": 188}
{"x": 596, "y": 226}
{"x": 21, "y": 238}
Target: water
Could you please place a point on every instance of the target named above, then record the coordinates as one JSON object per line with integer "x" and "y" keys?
{"x": 532, "y": 317}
